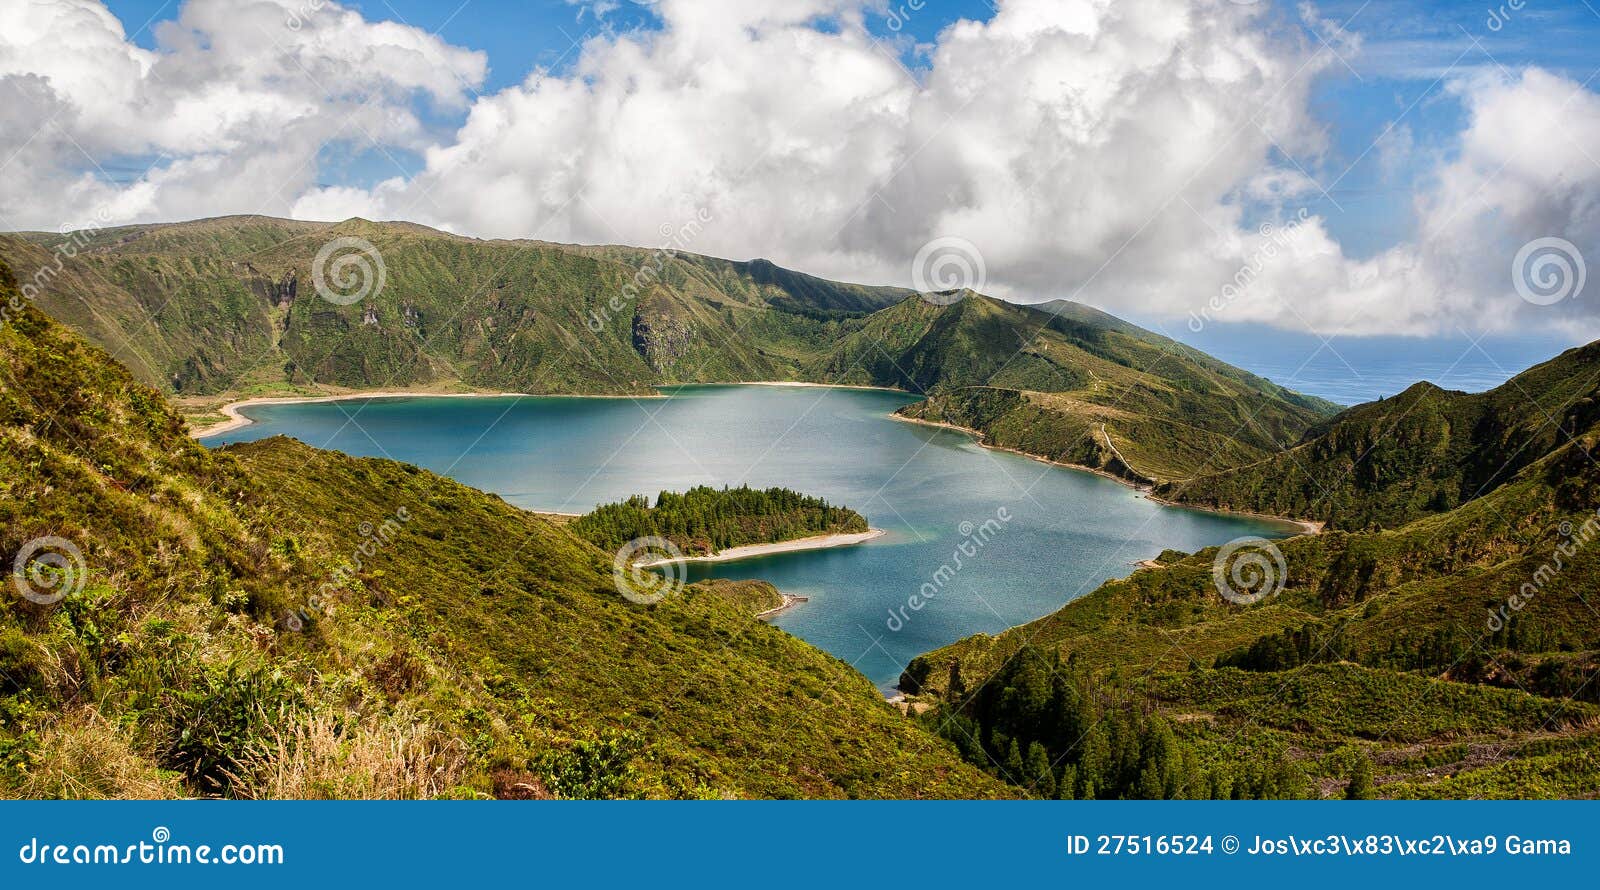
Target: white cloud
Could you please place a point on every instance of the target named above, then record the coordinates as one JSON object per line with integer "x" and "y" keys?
{"x": 1112, "y": 151}
{"x": 1525, "y": 169}
{"x": 1050, "y": 136}
{"x": 229, "y": 111}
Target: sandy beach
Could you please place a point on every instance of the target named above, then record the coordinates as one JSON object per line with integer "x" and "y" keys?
{"x": 812, "y": 385}
{"x": 237, "y": 420}
{"x": 789, "y": 601}
{"x": 818, "y": 542}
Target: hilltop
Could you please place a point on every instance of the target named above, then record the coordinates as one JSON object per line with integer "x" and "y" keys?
{"x": 1074, "y": 385}
{"x": 229, "y": 305}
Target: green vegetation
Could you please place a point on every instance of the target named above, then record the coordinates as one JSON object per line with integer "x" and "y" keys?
{"x": 228, "y": 307}
{"x": 706, "y": 520}
{"x": 1453, "y": 651}
{"x": 1438, "y": 640}
{"x": 270, "y": 620}
{"x": 1086, "y": 740}
{"x": 1076, "y": 386}
{"x": 1422, "y": 452}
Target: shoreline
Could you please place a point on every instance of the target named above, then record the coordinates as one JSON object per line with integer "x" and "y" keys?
{"x": 235, "y": 420}
{"x": 789, "y": 602}
{"x": 802, "y": 383}
{"x": 749, "y": 551}
{"x": 1305, "y": 526}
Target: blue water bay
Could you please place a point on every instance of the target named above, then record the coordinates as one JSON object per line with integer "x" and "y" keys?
{"x": 1052, "y": 533}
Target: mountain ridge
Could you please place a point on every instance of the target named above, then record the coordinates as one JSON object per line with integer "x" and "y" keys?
{"x": 219, "y": 309}
{"x": 1418, "y": 453}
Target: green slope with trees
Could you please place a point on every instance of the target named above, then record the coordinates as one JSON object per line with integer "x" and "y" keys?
{"x": 229, "y": 305}
{"x": 1455, "y": 653}
{"x": 1076, "y": 386}
{"x": 269, "y": 620}
{"x": 1422, "y": 452}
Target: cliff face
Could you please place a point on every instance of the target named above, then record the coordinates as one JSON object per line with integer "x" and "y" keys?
{"x": 661, "y": 340}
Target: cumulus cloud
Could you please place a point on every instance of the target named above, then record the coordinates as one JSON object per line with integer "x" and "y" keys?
{"x": 1524, "y": 170}
{"x": 1119, "y": 152}
{"x": 228, "y": 113}
{"x": 1057, "y": 135}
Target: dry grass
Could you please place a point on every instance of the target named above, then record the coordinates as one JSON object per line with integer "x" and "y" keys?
{"x": 323, "y": 758}
{"x": 82, "y": 757}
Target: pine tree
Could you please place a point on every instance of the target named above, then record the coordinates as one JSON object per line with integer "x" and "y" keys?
{"x": 1040, "y": 776}
{"x": 1013, "y": 766}
{"x": 1361, "y": 785}
{"x": 1067, "y": 783}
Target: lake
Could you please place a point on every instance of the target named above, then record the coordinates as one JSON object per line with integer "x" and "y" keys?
{"x": 1052, "y": 533}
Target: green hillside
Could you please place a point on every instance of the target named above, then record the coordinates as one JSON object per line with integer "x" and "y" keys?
{"x": 1422, "y": 452}
{"x": 1077, "y": 386}
{"x": 1455, "y": 653}
{"x": 1438, "y": 640}
{"x": 229, "y": 306}
{"x": 216, "y": 309}
{"x": 270, "y": 620}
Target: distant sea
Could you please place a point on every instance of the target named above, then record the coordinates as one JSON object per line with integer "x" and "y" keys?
{"x": 1350, "y": 370}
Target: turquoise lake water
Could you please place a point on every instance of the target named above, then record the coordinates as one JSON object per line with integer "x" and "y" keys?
{"x": 1056, "y": 533}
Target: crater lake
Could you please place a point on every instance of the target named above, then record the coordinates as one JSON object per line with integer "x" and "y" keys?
{"x": 1035, "y": 535}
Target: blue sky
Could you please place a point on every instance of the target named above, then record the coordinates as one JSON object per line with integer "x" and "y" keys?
{"x": 1351, "y": 169}
{"x": 1409, "y": 50}
{"x": 522, "y": 36}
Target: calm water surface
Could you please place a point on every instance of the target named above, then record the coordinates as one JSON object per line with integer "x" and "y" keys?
{"x": 1067, "y": 530}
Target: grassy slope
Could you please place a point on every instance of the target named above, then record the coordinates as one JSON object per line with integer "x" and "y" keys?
{"x": 482, "y": 650}
{"x": 1080, "y": 387}
{"x": 205, "y": 307}
{"x": 1424, "y": 451}
{"x": 1403, "y": 662}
